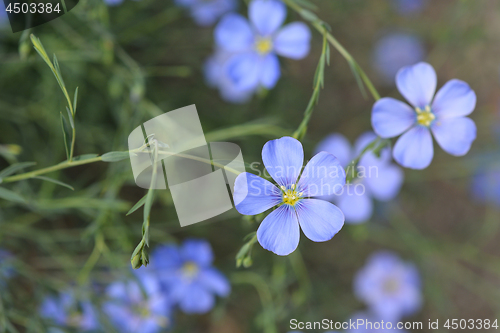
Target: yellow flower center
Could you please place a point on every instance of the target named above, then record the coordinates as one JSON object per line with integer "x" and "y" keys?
{"x": 263, "y": 45}
{"x": 425, "y": 117}
{"x": 290, "y": 196}
{"x": 190, "y": 269}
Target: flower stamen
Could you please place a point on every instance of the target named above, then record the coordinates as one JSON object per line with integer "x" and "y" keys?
{"x": 263, "y": 45}
{"x": 425, "y": 117}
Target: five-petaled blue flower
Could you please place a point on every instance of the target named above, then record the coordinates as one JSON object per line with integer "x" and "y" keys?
{"x": 389, "y": 286}
{"x": 395, "y": 51}
{"x": 377, "y": 176}
{"x": 138, "y": 305}
{"x": 188, "y": 276}
{"x": 257, "y": 43}
{"x": 444, "y": 116}
{"x": 320, "y": 220}
{"x": 65, "y": 310}
{"x": 207, "y": 12}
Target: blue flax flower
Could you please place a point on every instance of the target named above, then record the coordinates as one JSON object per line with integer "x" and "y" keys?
{"x": 395, "y": 51}
{"x": 319, "y": 220}
{"x": 444, "y": 115}
{"x": 367, "y": 322}
{"x": 389, "y": 286}
{"x": 258, "y": 42}
{"x": 207, "y": 12}
{"x": 486, "y": 186}
{"x": 66, "y": 311}
{"x": 138, "y": 305}
{"x": 6, "y": 266}
{"x": 216, "y": 77}
{"x": 377, "y": 177}
{"x": 188, "y": 276}
{"x": 408, "y": 7}
{"x": 114, "y": 2}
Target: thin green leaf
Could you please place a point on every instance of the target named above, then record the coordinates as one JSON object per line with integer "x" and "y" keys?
{"x": 138, "y": 205}
{"x": 70, "y": 116}
{"x": 84, "y": 157}
{"x": 64, "y": 135}
{"x": 75, "y": 99}
{"x": 358, "y": 78}
{"x": 14, "y": 168}
{"x": 115, "y": 156}
{"x": 55, "y": 182}
{"x": 11, "y": 196}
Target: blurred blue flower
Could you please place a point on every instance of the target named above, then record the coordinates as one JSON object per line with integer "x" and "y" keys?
{"x": 6, "y": 266}
{"x": 444, "y": 116}
{"x": 372, "y": 323}
{"x": 408, "y": 7}
{"x": 138, "y": 305}
{"x": 188, "y": 276}
{"x": 66, "y": 311}
{"x": 486, "y": 186}
{"x": 114, "y": 2}
{"x": 3, "y": 14}
{"x": 216, "y": 77}
{"x": 257, "y": 43}
{"x": 389, "y": 286}
{"x": 207, "y": 12}
{"x": 319, "y": 220}
{"x": 377, "y": 177}
{"x": 395, "y": 51}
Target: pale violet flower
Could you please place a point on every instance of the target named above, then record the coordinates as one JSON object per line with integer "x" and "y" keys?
{"x": 395, "y": 51}
{"x": 207, "y": 12}
{"x": 443, "y": 115}
{"x": 257, "y": 43}
{"x": 389, "y": 286}
{"x": 292, "y": 196}
{"x": 378, "y": 178}
{"x": 367, "y": 322}
{"x": 408, "y": 7}
{"x": 486, "y": 186}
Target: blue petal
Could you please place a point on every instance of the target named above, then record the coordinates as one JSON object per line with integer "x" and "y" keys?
{"x": 279, "y": 232}
{"x": 215, "y": 282}
{"x": 323, "y": 175}
{"x": 244, "y": 70}
{"x": 386, "y": 183}
{"x": 206, "y": 13}
{"x": 270, "y": 71}
{"x": 197, "y": 300}
{"x": 391, "y": 117}
{"x": 454, "y": 135}
{"x": 254, "y": 195}
{"x": 166, "y": 257}
{"x": 369, "y": 158}
{"x": 293, "y": 40}
{"x": 234, "y": 34}
{"x": 417, "y": 84}
{"x": 414, "y": 149}
{"x": 338, "y": 146}
{"x": 197, "y": 251}
{"x": 454, "y": 99}
{"x": 319, "y": 220}
{"x": 266, "y": 15}
{"x": 355, "y": 203}
{"x": 283, "y": 159}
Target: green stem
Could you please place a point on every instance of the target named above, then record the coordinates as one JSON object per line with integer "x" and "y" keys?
{"x": 60, "y": 166}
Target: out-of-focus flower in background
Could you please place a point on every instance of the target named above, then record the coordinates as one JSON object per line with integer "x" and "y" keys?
{"x": 188, "y": 277}
{"x": 138, "y": 305}
{"x": 216, "y": 76}
{"x": 395, "y": 51}
{"x": 207, "y": 12}
{"x": 444, "y": 116}
{"x": 486, "y": 186}
{"x": 409, "y": 7}
{"x": 318, "y": 219}
{"x": 6, "y": 267}
{"x": 257, "y": 43}
{"x": 377, "y": 177}
{"x": 389, "y": 286}
{"x": 115, "y": 2}
{"x": 65, "y": 310}
{"x": 371, "y": 323}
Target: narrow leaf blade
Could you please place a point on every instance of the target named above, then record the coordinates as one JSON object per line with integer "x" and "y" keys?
{"x": 55, "y": 181}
